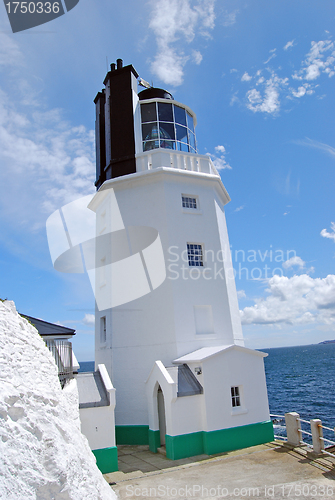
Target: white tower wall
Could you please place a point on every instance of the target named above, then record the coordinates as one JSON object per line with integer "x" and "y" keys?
{"x": 163, "y": 323}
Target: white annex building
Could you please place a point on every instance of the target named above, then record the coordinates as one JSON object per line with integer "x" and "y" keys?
{"x": 168, "y": 327}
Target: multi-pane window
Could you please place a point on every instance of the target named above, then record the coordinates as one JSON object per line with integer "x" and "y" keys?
{"x": 103, "y": 330}
{"x": 235, "y": 397}
{"x": 195, "y": 255}
{"x": 189, "y": 202}
{"x": 166, "y": 125}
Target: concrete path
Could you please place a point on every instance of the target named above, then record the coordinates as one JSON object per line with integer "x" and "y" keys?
{"x": 272, "y": 471}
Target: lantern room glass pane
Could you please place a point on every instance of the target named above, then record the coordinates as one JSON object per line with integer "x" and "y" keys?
{"x": 192, "y": 140}
{"x": 168, "y": 144}
{"x": 181, "y": 146}
{"x": 165, "y": 112}
{"x": 181, "y": 133}
{"x": 148, "y": 112}
{"x": 180, "y": 115}
{"x": 166, "y": 131}
{"x": 190, "y": 123}
{"x": 149, "y": 131}
{"x": 148, "y": 145}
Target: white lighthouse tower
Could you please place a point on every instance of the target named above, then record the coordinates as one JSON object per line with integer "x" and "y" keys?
{"x": 168, "y": 328}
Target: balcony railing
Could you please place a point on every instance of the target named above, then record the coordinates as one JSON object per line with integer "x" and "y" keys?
{"x": 156, "y": 158}
{"x": 62, "y": 354}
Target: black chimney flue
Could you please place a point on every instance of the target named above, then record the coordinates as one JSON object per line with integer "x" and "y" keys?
{"x": 113, "y": 67}
{"x": 119, "y": 63}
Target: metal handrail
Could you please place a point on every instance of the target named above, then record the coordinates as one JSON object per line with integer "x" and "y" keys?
{"x": 328, "y": 440}
{"x": 328, "y": 428}
{"x": 61, "y": 351}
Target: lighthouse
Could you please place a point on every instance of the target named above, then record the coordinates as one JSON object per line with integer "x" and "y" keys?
{"x": 167, "y": 324}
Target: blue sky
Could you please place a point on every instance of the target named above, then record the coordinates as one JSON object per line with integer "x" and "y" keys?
{"x": 260, "y": 77}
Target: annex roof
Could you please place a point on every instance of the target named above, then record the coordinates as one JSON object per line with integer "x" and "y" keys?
{"x": 207, "y": 352}
{"x": 45, "y": 328}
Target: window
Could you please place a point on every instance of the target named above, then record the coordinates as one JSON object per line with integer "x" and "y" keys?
{"x": 103, "y": 331}
{"x": 203, "y": 316}
{"x": 166, "y": 125}
{"x": 195, "y": 255}
{"x": 235, "y": 397}
{"x": 189, "y": 202}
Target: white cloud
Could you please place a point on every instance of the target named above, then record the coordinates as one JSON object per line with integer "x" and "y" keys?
{"x": 294, "y": 261}
{"x": 268, "y": 101}
{"x": 317, "y": 145}
{"x": 10, "y": 54}
{"x": 331, "y": 235}
{"x": 297, "y": 300}
{"x": 197, "y": 56}
{"x": 238, "y": 209}
{"x": 230, "y": 18}
{"x": 241, "y": 294}
{"x": 246, "y": 77}
{"x": 273, "y": 55}
{"x": 171, "y": 22}
{"x": 89, "y": 319}
{"x": 300, "y": 92}
{"x": 50, "y": 161}
{"x": 268, "y": 96}
{"x": 316, "y": 63}
{"x": 289, "y": 45}
{"x": 219, "y": 162}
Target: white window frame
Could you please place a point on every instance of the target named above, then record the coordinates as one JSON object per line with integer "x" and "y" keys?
{"x": 190, "y": 210}
{"x": 235, "y": 396}
{"x": 202, "y": 265}
{"x": 240, "y": 409}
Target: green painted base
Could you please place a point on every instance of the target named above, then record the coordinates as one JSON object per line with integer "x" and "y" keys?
{"x": 154, "y": 440}
{"x": 235, "y": 438}
{"x": 185, "y": 445}
{"x": 106, "y": 459}
{"x": 132, "y": 434}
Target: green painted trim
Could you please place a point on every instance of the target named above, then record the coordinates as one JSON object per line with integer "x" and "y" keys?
{"x": 154, "y": 440}
{"x": 234, "y": 438}
{"x": 106, "y": 459}
{"x": 132, "y": 434}
{"x": 185, "y": 445}
{"x": 237, "y": 438}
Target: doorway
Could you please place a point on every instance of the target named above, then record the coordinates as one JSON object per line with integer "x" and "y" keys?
{"x": 161, "y": 416}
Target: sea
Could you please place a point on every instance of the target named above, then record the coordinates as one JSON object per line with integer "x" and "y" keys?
{"x": 300, "y": 379}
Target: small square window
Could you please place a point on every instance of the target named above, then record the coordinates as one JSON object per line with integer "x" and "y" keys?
{"x": 235, "y": 397}
{"x": 189, "y": 202}
{"x": 195, "y": 255}
{"x": 103, "y": 330}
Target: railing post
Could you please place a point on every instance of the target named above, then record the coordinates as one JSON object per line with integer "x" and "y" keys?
{"x": 293, "y": 428}
{"x": 317, "y": 433}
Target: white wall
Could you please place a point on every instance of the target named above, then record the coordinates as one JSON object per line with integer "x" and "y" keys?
{"x": 98, "y": 423}
{"x": 230, "y": 369}
{"x": 161, "y": 324}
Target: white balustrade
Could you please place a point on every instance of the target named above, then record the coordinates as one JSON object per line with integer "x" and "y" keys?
{"x": 175, "y": 159}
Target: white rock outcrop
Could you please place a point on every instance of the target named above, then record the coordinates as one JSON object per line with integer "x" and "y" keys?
{"x": 43, "y": 454}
